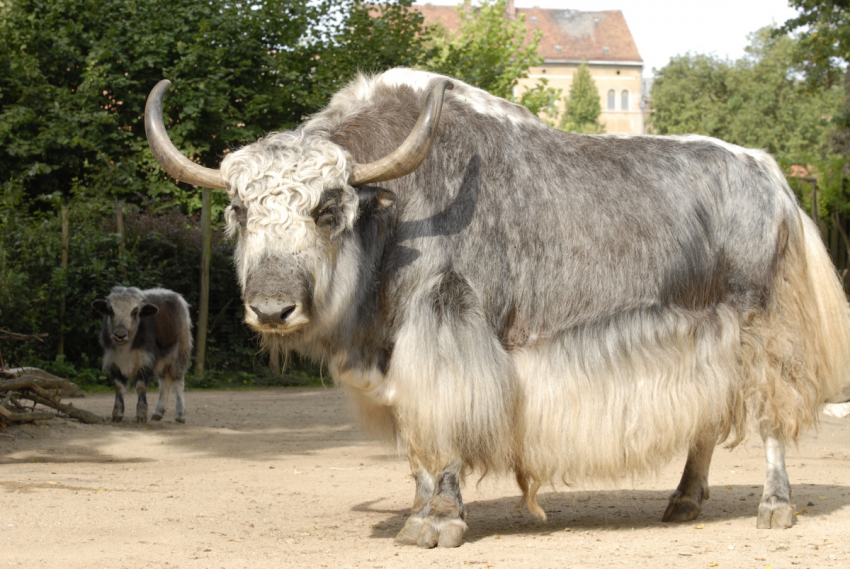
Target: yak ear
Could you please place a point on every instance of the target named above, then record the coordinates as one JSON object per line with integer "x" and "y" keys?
{"x": 376, "y": 199}
{"x": 384, "y": 199}
{"x": 148, "y": 310}
{"x": 100, "y": 306}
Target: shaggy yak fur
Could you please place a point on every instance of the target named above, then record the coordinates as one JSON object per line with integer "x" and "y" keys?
{"x": 556, "y": 306}
{"x": 145, "y": 334}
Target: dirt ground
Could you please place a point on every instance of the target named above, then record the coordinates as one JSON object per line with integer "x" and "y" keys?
{"x": 273, "y": 478}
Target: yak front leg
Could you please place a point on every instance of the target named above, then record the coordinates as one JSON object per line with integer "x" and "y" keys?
{"x": 685, "y": 503}
{"x": 437, "y": 517}
{"x": 775, "y": 509}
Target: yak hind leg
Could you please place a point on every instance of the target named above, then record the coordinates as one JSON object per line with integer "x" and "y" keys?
{"x": 529, "y": 495}
{"x": 437, "y": 517}
{"x": 775, "y": 509}
{"x": 685, "y": 504}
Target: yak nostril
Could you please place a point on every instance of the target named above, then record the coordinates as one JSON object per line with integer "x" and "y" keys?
{"x": 284, "y": 314}
{"x": 278, "y": 317}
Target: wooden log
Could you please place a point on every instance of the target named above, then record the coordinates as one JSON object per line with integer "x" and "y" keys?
{"x": 67, "y": 388}
{"x": 27, "y": 383}
{"x": 29, "y": 417}
{"x": 17, "y": 384}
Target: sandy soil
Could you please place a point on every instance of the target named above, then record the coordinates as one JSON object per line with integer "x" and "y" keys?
{"x": 277, "y": 478}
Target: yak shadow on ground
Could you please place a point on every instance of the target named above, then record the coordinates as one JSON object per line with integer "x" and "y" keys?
{"x": 612, "y": 510}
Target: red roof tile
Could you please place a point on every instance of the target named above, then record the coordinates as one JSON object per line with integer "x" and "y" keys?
{"x": 591, "y": 36}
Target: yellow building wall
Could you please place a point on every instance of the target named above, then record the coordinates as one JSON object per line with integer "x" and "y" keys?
{"x": 619, "y": 120}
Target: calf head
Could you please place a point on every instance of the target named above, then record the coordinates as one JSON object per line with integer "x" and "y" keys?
{"x": 122, "y": 311}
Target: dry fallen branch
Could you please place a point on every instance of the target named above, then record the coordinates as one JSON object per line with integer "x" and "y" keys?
{"x": 36, "y": 389}
{"x": 29, "y": 417}
{"x": 75, "y": 413}
{"x": 7, "y": 335}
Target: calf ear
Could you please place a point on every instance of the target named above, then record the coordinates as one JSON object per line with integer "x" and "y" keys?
{"x": 148, "y": 310}
{"x": 100, "y": 306}
{"x": 375, "y": 199}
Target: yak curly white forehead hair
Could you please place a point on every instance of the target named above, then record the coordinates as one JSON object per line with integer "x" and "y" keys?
{"x": 280, "y": 180}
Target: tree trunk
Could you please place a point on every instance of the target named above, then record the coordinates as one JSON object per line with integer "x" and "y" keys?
{"x": 204, "y": 301}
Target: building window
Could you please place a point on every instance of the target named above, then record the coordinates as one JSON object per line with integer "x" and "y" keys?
{"x": 624, "y": 100}
{"x": 612, "y": 100}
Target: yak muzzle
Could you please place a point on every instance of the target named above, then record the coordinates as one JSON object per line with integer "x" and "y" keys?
{"x": 276, "y": 318}
{"x": 281, "y": 317}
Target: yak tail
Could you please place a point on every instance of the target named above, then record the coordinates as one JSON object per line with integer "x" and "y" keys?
{"x": 798, "y": 352}
{"x": 832, "y": 329}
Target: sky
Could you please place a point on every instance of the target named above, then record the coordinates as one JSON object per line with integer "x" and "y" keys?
{"x": 664, "y": 28}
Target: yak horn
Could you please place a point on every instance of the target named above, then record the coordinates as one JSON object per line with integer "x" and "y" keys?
{"x": 177, "y": 165}
{"x": 407, "y": 157}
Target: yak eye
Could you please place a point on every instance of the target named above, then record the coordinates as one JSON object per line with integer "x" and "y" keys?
{"x": 325, "y": 216}
{"x": 240, "y": 213}
{"x": 135, "y": 312}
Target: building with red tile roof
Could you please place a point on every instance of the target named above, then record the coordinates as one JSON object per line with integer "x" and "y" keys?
{"x": 569, "y": 37}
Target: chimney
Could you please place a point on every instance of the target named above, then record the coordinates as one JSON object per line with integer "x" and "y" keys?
{"x": 511, "y": 10}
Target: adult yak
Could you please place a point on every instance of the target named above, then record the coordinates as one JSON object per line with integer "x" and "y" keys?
{"x": 497, "y": 295}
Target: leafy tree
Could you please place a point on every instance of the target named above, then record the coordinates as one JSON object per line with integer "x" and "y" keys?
{"x": 823, "y": 28}
{"x": 823, "y": 51}
{"x": 491, "y": 52}
{"x": 542, "y": 100}
{"x": 582, "y": 107}
{"x": 77, "y": 73}
{"x": 757, "y": 101}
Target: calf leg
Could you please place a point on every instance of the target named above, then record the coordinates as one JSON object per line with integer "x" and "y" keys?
{"x": 685, "y": 503}
{"x": 181, "y": 402}
{"x": 775, "y": 509}
{"x": 437, "y": 517}
{"x": 142, "y": 403}
{"x": 118, "y": 407}
{"x": 166, "y": 384}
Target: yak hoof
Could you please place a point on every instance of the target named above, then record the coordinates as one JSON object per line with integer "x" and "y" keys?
{"x": 117, "y": 418}
{"x": 156, "y": 417}
{"x": 142, "y": 419}
{"x": 180, "y": 420}
{"x": 432, "y": 531}
{"x": 775, "y": 513}
{"x": 681, "y": 508}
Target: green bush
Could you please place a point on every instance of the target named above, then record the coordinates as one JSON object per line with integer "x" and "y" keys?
{"x": 161, "y": 249}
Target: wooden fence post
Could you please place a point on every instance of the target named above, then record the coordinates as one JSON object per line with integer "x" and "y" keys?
{"x": 65, "y": 246}
{"x": 204, "y": 301}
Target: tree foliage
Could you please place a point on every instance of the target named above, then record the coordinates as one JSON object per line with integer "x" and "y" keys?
{"x": 823, "y": 28}
{"x": 77, "y": 73}
{"x": 491, "y": 52}
{"x": 582, "y": 106}
{"x": 757, "y": 101}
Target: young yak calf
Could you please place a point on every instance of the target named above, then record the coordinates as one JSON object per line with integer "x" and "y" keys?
{"x": 145, "y": 334}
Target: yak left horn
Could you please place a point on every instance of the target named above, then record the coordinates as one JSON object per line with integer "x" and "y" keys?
{"x": 177, "y": 165}
{"x": 407, "y": 157}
